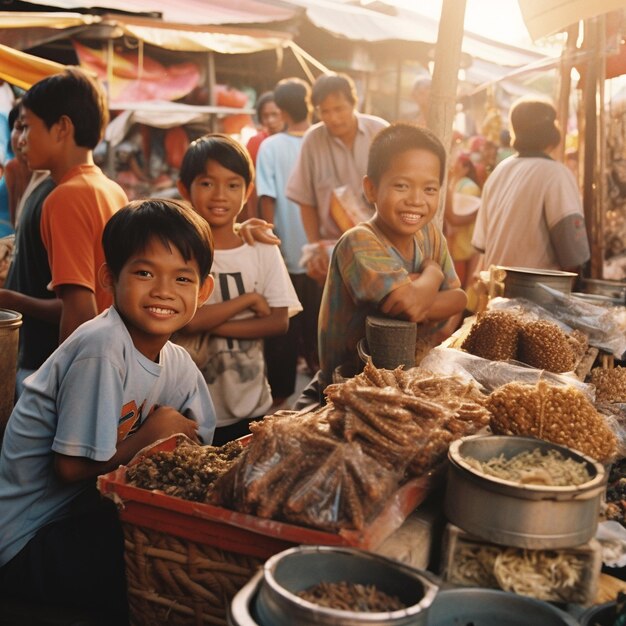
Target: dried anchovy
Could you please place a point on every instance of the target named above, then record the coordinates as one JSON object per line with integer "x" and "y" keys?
{"x": 347, "y": 596}
{"x": 532, "y": 467}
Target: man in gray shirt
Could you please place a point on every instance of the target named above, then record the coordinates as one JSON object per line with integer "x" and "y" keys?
{"x": 333, "y": 158}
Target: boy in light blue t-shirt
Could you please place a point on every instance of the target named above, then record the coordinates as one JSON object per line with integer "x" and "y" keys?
{"x": 114, "y": 386}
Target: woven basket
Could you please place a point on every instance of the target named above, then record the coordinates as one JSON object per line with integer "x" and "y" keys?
{"x": 179, "y": 582}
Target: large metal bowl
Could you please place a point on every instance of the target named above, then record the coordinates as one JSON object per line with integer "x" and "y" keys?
{"x": 489, "y": 607}
{"x": 297, "y": 569}
{"x": 520, "y": 515}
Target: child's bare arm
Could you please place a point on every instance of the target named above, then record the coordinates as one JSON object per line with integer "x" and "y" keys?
{"x": 276, "y": 323}
{"x": 79, "y": 305}
{"x": 412, "y": 301}
{"x": 210, "y": 316}
{"x": 161, "y": 423}
{"x": 446, "y": 303}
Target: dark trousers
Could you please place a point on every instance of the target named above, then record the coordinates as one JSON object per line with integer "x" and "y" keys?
{"x": 77, "y": 562}
{"x": 282, "y": 352}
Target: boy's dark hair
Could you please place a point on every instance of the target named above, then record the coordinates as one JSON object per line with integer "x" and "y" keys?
{"x": 534, "y": 125}
{"x": 215, "y": 147}
{"x": 14, "y": 114}
{"x": 398, "y": 138}
{"x": 75, "y": 94}
{"x": 262, "y": 100}
{"x": 328, "y": 84}
{"x": 173, "y": 222}
{"x": 293, "y": 95}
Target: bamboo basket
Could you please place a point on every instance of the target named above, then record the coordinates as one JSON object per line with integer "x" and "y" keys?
{"x": 180, "y": 582}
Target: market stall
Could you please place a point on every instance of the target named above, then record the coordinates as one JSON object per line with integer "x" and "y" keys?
{"x": 493, "y": 453}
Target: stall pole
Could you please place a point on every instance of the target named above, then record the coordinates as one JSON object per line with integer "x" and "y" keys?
{"x": 565, "y": 84}
{"x": 442, "y": 108}
{"x": 593, "y": 149}
{"x": 211, "y": 87}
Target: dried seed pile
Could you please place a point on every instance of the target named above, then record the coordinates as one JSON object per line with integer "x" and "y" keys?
{"x": 188, "y": 471}
{"x": 502, "y": 335}
{"x": 562, "y": 415}
{"x": 346, "y": 596}
{"x": 610, "y": 384}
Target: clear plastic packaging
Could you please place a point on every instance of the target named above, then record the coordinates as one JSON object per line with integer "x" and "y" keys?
{"x": 602, "y": 325}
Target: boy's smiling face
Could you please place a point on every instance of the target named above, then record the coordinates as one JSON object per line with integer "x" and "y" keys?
{"x": 218, "y": 195}
{"x": 156, "y": 294}
{"x": 407, "y": 195}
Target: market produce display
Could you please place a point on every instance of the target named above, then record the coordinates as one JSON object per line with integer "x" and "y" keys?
{"x": 188, "y": 471}
{"x": 533, "y": 467}
{"x": 560, "y": 414}
{"x": 556, "y": 576}
{"x": 615, "y": 508}
{"x": 502, "y": 335}
{"x": 334, "y": 467}
{"x": 346, "y": 596}
{"x": 610, "y": 384}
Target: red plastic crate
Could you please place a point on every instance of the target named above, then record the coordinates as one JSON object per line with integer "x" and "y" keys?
{"x": 242, "y": 533}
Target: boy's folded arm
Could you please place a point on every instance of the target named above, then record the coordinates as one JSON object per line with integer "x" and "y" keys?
{"x": 276, "y": 323}
{"x": 410, "y": 301}
{"x": 211, "y": 316}
{"x": 161, "y": 423}
{"x": 446, "y": 303}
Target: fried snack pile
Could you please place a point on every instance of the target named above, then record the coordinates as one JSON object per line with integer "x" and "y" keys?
{"x": 335, "y": 467}
{"x": 610, "y": 384}
{"x": 494, "y": 336}
{"x": 406, "y": 417}
{"x": 502, "y": 335}
{"x": 188, "y": 471}
{"x": 562, "y": 415}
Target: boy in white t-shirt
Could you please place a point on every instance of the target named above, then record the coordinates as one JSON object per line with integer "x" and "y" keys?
{"x": 253, "y": 296}
{"x": 113, "y": 387}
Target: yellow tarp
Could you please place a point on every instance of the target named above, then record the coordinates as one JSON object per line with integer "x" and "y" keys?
{"x": 24, "y": 70}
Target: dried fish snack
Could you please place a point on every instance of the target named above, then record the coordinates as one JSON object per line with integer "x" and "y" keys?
{"x": 554, "y": 576}
{"x": 188, "y": 471}
{"x": 494, "y": 336}
{"x": 334, "y": 467}
{"x": 347, "y": 596}
{"x": 542, "y": 344}
{"x": 610, "y": 384}
{"x": 533, "y": 467}
{"x": 559, "y": 414}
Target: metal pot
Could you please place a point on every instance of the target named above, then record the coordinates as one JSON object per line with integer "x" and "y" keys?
{"x": 522, "y": 282}
{"x": 297, "y": 569}
{"x": 520, "y": 515}
{"x": 600, "y": 615}
{"x": 10, "y": 322}
{"x": 488, "y": 607}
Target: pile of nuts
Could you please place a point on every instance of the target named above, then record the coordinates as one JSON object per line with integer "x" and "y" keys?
{"x": 562, "y": 415}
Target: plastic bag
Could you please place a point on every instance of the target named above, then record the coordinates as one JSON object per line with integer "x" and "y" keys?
{"x": 296, "y": 469}
{"x": 492, "y": 374}
{"x": 600, "y": 324}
